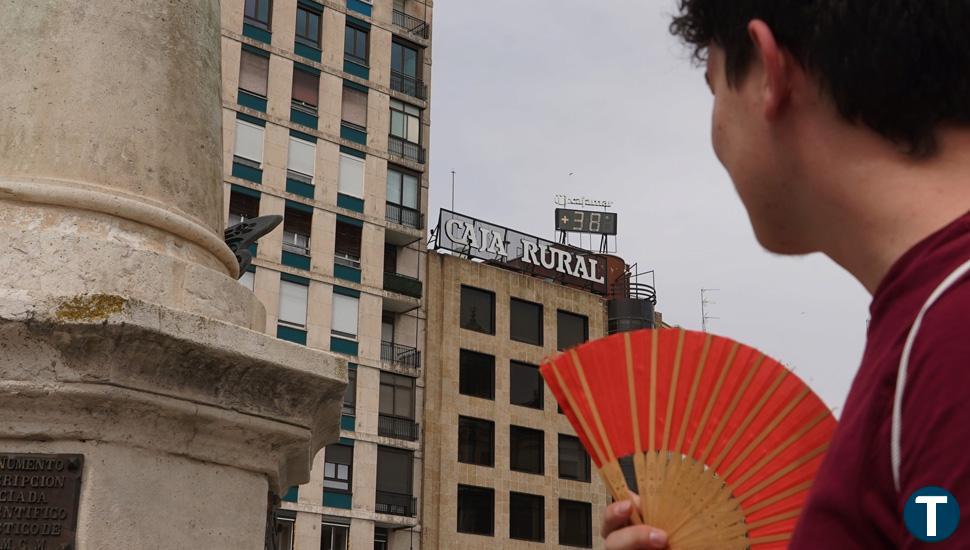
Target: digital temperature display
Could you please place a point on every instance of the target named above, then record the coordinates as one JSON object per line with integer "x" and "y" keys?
{"x": 585, "y": 221}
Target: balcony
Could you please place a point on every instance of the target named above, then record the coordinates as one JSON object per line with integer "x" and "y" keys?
{"x": 397, "y": 354}
{"x": 407, "y": 84}
{"x": 410, "y": 24}
{"x": 396, "y": 504}
{"x": 402, "y": 284}
{"x": 397, "y": 427}
{"x": 405, "y": 149}
{"x": 408, "y": 217}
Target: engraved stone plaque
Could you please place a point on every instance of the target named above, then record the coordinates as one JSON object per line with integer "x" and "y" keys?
{"x": 38, "y": 500}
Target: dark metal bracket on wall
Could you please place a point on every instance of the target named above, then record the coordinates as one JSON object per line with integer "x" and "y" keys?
{"x": 243, "y": 235}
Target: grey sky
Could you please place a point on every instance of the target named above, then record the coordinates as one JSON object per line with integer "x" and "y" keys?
{"x": 526, "y": 92}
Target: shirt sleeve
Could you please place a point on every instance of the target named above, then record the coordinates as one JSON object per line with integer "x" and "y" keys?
{"x": 935, "y": 443}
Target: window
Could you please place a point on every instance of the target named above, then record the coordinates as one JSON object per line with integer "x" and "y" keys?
{"x": 390, "y": 258}
{"x": 296, "y": 231}
{"x": 526, "y": 386}
{"x": 477, "y": 310}
{"x": 355, "y": 44}
{"x": 476, "y": 441}
{"x": 571, "y": 329}
{"x": 241, "y": 208}
{"x": 249, "y": 142}
{"x": 350, "y": 394}
{"x": 527, "y": 517}
{"x": 292, "y": 309}
{"x": 253, "y": 71}
{"x": 402, "y": 188}
{"x": 248, "y": 280}
{"x": 476, "y": 510}
{"x": 257, "y": 12}
{"x": 334, "y": 537}
{"x": 525, "y": 446}
{"x": 353, "y": 109}
{"x": 344, "y": 320}
{"x": 284, "y": 522}
{"x": 476, "y": 374}
{"x": 346, "y": 250}
{"x": 351, "y": 176}
{"x": 308, "y": 26}
{"x": 405, "y": 121}
{"x": 381, "y": 535}
{"x": 394, "y": 471}
{"x": 575, "y": 524}
{"x": 404, "y": 60}
{"x": 526, "y": 322}
{"x": 306, "y": 90}
{"x": 397, "y": 395}
{"x": 301, "y": 158}
{"x": 573, "y": 460}
{"x": 338, "y": 465}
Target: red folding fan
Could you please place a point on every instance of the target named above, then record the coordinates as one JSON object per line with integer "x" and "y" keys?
{"x": 724, "y": 441}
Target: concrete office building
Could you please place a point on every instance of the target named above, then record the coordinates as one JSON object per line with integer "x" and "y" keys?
{"x": 502, "y": 467}
{"x": 325, "y": 117}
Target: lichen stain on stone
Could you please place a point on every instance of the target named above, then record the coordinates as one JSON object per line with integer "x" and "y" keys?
{"x": 90, "y": 307}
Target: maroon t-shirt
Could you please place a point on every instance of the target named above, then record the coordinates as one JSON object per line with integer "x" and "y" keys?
{"x": 853, "y": 503}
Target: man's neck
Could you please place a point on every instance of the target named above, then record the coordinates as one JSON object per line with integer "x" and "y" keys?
{"x": 884, "y": 206}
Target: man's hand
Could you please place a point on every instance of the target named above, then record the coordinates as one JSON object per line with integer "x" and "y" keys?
{"x": 621, "y": 534}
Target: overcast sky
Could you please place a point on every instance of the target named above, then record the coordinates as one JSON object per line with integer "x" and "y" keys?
{"x": 524, "y": 93}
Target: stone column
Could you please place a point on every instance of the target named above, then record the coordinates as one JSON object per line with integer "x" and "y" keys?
{"x": 124, "y": 336}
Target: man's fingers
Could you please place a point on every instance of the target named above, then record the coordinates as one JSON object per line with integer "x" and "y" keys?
{"x": 618, "y": 514}
{"x": 639, "y": 537}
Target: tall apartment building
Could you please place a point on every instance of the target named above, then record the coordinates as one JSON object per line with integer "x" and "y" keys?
{"x": 503, "y": 466}
{"x": 325, "y": 108}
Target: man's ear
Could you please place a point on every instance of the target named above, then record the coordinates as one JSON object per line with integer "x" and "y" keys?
{"x": 776, "y": 86}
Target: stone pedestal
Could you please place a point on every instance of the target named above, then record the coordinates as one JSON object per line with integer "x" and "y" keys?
{"x": 124, "y": 336}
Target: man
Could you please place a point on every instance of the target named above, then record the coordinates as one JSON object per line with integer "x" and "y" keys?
{"x": 845, "y": 127}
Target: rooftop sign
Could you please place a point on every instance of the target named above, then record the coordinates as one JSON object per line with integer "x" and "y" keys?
{"x": 496, "y": 244}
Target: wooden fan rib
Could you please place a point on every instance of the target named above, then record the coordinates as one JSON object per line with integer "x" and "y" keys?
{"x": 729, "y": 446}
{"x": 765, "y": 432}
{"x": 692, "y": 394}
{"x": 775, "y": 519}
{"x": 790, "y": 492}
{"x": 672, "y": 393}
{"x": 778, "y": 450}
{"x": 713, "y": 398}
{"x": 738, "y": 394}
{"x": 768, "y": 539}
{"x": 804, "y": 459}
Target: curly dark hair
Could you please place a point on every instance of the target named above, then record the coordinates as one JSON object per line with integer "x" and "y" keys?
{"x": 901, "y": 67}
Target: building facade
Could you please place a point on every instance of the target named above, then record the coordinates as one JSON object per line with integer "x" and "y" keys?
{"x": 325, "y": 122}
{"x": 502, "y": 467}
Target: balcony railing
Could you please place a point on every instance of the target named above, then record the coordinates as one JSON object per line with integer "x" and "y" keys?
{"x": 410, "y": 24}
{"x": 406, "y": 149}
{"x": 407, "y": 84}
{"x": 396, "y": 504}
{"x": 397, "y": 427}
{"x": 403, "y": 215}
{"x": 402, "y": 284}
{"x": 404, "y": 356}
{"x": 347, "y": 260}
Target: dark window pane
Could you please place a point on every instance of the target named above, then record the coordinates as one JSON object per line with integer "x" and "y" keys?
{"x": 525, "y": 385}
{"x": 394, "y": 470}
{"x": 355, "y": 44}
{"x": 477, "y": 310}
{"x": 307, "y": 26}
{"x": 526, "y": 322}
{"x": 347, "y": 243}
{"x": 306, "y": 88}
{"x": 526, "y": 450}
{"x": 350, "y": 395}
{"x": 573, "y": 460}
{"x": 334, "y": 537}
{"x": 257, "y": 11}
{"x": 476, "y": 441}
{"x": 396, "y": 395}
{"x": 571, "y": 329}
{"x": 476, "y": 510}
{"x": 476, "y": 374}
{"x": 526, "y": 517}
{"x": 243, "y": 206}
{"x": 575, "y": 524}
